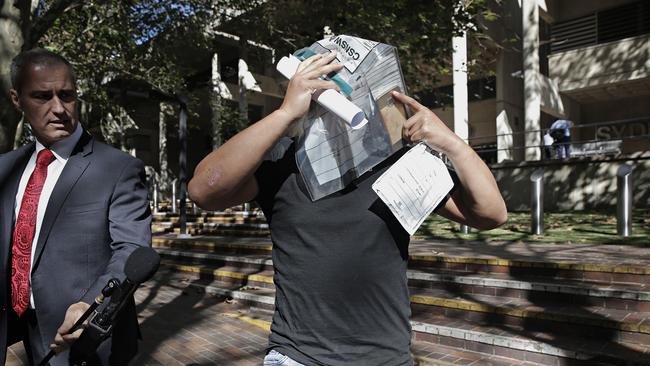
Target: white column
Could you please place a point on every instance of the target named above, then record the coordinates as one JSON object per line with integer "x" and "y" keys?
{"x": 504, "y": 136}
{"x": 216, "y": 93}
{"x": 461, "y": 111}
{"x": 532, "y": 85}
{"x": 508, "y": 103}
{"x": 243, "y": 97}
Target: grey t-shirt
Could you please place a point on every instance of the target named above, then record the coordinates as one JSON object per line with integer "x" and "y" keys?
{"x": 340, "y": 271}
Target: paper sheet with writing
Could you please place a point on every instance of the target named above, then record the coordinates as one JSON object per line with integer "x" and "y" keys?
{"x": 414, "y": 186}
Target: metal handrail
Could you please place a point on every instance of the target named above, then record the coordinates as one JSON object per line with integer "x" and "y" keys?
{"x": 595, "y": 124}
{"x": 573, "y": 143}
{"x": 491, "y": 147}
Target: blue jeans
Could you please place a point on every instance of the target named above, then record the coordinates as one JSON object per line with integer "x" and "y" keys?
{"x": 275, "y": 358}
{"x": 563, "y": 144}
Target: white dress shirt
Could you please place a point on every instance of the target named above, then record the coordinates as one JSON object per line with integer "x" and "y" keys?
{"x": 61, "y": 150}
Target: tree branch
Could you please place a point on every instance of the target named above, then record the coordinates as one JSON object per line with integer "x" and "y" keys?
{"x": 43, "y": 23}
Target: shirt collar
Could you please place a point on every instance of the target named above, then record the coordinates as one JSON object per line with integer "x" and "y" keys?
{"x": 63, "y": 149}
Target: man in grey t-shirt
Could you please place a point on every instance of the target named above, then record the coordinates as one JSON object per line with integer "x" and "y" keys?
{"x": 340, "y": 262}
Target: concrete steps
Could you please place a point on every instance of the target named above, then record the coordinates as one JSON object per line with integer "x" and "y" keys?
{"x": 554, "y": 313}
{"x": 260, "y": 311}
{"x": 213, "y": 216}
{"x": 231, "y": 223}
{"x": 618, "y": 296}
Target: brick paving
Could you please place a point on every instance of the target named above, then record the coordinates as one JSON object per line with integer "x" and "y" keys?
{"x": 182, "y": 326}
{"x": 16, "y": 356}
{"x": 613, "y": 255}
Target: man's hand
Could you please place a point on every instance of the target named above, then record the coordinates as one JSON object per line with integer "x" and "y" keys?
{"x": 63, "y": 340}
{"x": 305, "y": 82}
{"x": 425, "y": 126}
{"x": 477, "y": 202}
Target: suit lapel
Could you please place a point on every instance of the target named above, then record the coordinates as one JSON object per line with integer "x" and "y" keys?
{"x": 8, "y": 190}
{"x": 74, "y": 168}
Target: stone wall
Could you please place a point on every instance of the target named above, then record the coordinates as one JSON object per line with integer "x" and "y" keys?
{"x": 580, "y": 184}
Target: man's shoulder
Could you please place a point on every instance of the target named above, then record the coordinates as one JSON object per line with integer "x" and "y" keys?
{"x": 10, "y": 158}
{"x": 21, "y": 151}
{"x": 110, "y": 153}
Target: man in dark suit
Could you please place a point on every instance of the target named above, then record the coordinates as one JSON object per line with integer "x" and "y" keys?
{"x": 71, "y": 211}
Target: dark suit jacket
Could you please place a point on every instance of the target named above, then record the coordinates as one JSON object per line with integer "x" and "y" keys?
{"x": 97, "y": 215}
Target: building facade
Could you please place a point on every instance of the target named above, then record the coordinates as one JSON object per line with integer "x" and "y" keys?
{"x": 582, "y": 60}
{"x": 585, "y": 61}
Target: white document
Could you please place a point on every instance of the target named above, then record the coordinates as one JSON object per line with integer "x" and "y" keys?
{"x": 414, "y": 186}
{"x": 340, "y": 151}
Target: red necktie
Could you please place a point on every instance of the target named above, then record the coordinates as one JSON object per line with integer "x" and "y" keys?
{"x": 21, "y": 248}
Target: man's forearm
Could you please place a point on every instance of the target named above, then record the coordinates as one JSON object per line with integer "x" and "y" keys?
{"x": 225, "y": 177}
{"x": 479, "y": 195}
{"x": 229, "y": 167}
{"x": 477, "y": 202}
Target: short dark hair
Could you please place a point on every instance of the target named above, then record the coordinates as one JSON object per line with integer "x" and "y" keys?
{"x": 35, "y": 57}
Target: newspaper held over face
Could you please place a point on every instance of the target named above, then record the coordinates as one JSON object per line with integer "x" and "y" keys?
{"x": 414, "y": 186}
{"x": 330, "y": 154}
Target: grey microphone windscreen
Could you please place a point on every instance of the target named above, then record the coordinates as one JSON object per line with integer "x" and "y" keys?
{"x": 141, "y": 264}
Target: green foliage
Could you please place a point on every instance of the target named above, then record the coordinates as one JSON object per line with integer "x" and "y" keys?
{"x": 127, "y": 45}
{"x": 144, "y": 39}
{"x": 231, "y": 121}
{"x": 109, "y": 40}
{"x": 166, "y": 45}
{"x": 421, "y": 30}
{"x": 560, "y": 228}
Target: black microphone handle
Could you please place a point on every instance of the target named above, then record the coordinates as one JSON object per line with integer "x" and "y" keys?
{"x": 106, "y": 292}
{"x": 106, "y": 317}
{"x": 100, "y": 326}
{"x": 76, "y": 326}
{"x": 83, "y": 351}
{"x": 139, "y": 267}
{"x": 83, "y": 318}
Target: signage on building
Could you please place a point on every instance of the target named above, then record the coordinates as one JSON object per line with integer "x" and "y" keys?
{"x": 623, "y": 130}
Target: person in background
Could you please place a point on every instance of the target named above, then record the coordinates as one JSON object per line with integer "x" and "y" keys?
{"x": 548, "y": 145}
{"x": 561, "y": 131}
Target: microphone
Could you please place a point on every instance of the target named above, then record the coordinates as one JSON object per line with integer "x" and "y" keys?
{"x": 139, "y": 267}
{"x": 107, "y": 291}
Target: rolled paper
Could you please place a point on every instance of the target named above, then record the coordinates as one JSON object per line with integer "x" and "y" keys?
{"x": 330, "y": 99}
{"x": 344, "y": 87}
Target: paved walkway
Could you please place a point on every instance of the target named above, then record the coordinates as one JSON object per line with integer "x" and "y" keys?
{"x": 184, "y": 327}
{"x": 572, "y": 253}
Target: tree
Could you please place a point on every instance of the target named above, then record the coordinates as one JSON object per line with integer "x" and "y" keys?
{"x": 104, "y": 40}
{"x": 141, "y": 42}
{"x": 421, "y": 30}
{"x": 10, "y": 42}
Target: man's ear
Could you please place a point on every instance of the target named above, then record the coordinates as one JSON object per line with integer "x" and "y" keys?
{"x": 15, "y": 100}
